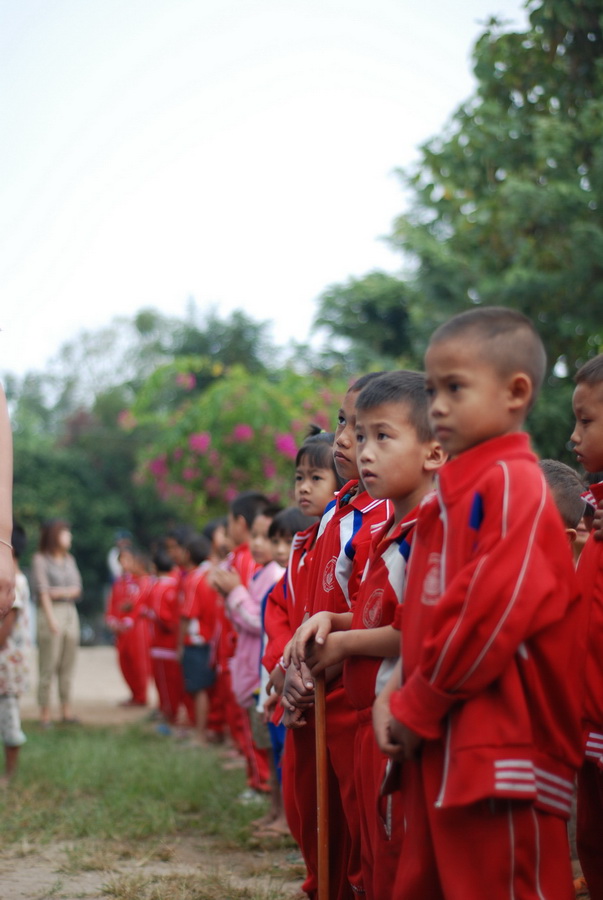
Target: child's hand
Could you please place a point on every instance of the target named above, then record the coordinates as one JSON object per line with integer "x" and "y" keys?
{"x": 293, "y": 718}
{"x": 276, "y": 681}
{"x": 408, "y": 740}
{"x": 298, "y": 690}
{"x": 269, "y": 707}
{"x": 598, "y": 522}
{"x": 225, "y": 580}
{"x": 313, "y": 631}
{"x": 382, "y": 719}
{"x": 330, "y": 653}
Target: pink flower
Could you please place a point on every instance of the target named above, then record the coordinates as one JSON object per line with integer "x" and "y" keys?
{"x": 212, "y": 486}
{"x": 242, "y": 432}
{"x": 199, "y": 442}
{"x": 177, "y": 454}
{"x": 213, "y": 457}
{"x": 158, "y": 466}
{"x": 190, "y": 474}
{"x": 230, "y": 493}
{"x": 126, "y": 420}
{"x": 186, "y": 380}
{"x": 269, "y": 468}
{"x": 285, "y": 444}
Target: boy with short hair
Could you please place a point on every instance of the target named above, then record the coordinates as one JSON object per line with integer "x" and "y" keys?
{"x": 486, "y": 719}
{"x": 397, "y": 457}
{"x": 587, "y": 438}
{"x": 566, "y": 488}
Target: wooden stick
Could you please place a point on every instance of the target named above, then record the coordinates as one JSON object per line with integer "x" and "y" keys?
{"x": 322, "y": 791}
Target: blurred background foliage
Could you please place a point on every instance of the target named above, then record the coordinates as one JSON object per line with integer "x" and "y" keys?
{"x": 155, "y": 420}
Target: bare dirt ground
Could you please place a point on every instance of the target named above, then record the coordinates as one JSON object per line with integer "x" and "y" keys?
{"x": 95, "y": 870}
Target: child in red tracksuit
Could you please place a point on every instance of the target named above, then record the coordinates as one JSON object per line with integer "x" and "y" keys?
{"x": 486, "y": 720}
{"x": 128, "y": 596}
{"x": 316, "y": 481}
{"x": 397, "y": 457}
{"x": 340, "y": 557}
{"x": 199, "y": 631}
{"x": 163, "y": 613}
{"x": 588, "y": 444}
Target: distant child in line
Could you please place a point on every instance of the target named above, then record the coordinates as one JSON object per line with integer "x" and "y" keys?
{"x": 199, "y": 631}
{"x": 14, "y": 663}
{"x": 566, "y": 488}
{"x": 397, "y": 458}
{"x": 281, "y": 533}
{"x": 587, "y": 438}
{"x": 244, "y": 609}
{"x": 163, "y": 614}
{"x": 486, "y": 720}
{"x": 316, "y": 480}
{"x": 125, "y": 604}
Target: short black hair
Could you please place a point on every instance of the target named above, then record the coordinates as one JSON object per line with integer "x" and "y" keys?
{"x": 289, "y": 521}
{"x": 18, "y": 540}
{"x": 363, "y": 380}
{"x": 198, "y": 548}
{"x": 270, "y": 512}
{"x": 249, "y": 504}
{"x": 404, "y": 387}
{"x": 212, "y": 526}
{"x": 162, "y": 560}
{"x": 507, "y": 339}
{"x": 566, "y": 489}
{"x": 181, "y": 534}
{"x": 591, "y": 372}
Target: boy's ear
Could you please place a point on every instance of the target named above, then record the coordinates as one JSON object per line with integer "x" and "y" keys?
{"x": 521, "y": 390}
{"x": 572, "y": 534}
{"x": 435, "y": 457}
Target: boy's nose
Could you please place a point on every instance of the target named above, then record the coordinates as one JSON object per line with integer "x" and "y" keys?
{"x": 344, "y": 438}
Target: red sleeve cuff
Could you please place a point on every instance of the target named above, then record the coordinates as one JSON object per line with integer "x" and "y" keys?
{"x": 421, "y": 707}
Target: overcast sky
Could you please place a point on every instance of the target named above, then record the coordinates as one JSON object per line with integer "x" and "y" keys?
{"x": 237, "y": 152}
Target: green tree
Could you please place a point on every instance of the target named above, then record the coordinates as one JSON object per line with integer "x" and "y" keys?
{"x": 371, "y": 315}
{"x": 508, "y": 202}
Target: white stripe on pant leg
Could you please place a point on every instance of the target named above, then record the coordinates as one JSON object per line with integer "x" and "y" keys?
{"x": 538, "y": 855}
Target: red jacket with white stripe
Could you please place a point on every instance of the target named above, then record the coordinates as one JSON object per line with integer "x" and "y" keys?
{"x": 286, "y": 602}
{"x": 590, "y": 579}
{"x": 379, "y": 598}
{"x": 342, "y": 548}
{"x": 490, "y": 626}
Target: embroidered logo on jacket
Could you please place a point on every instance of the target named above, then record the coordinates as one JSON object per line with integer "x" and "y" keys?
{"x": 328, "y": 575}
{"x": 432, "y": 586}
{"x": 373, "y": 609}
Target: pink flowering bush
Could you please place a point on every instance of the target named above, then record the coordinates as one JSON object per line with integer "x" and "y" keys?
{"x": 241, "y": 433}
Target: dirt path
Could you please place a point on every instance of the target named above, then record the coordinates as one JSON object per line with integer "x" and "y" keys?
{"x": 98, "y": 690}
{"x": 192, "y": 865}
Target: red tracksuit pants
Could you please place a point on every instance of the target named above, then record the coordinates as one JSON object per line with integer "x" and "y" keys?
{"x": 498, "y": 849}
{"x": 589, "y": 837}
{"x": 133, "y": 654}
{"x": 381, "y": 818}
{"x": 299, "y": 801}
{"x": 167, "y": 674}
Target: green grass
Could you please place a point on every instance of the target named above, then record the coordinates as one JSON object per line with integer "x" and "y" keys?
{"x": 120, "y": 785}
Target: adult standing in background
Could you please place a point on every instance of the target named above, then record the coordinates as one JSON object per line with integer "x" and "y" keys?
{"x": 7, "y": 567}
{"x": 58, "y": 585}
